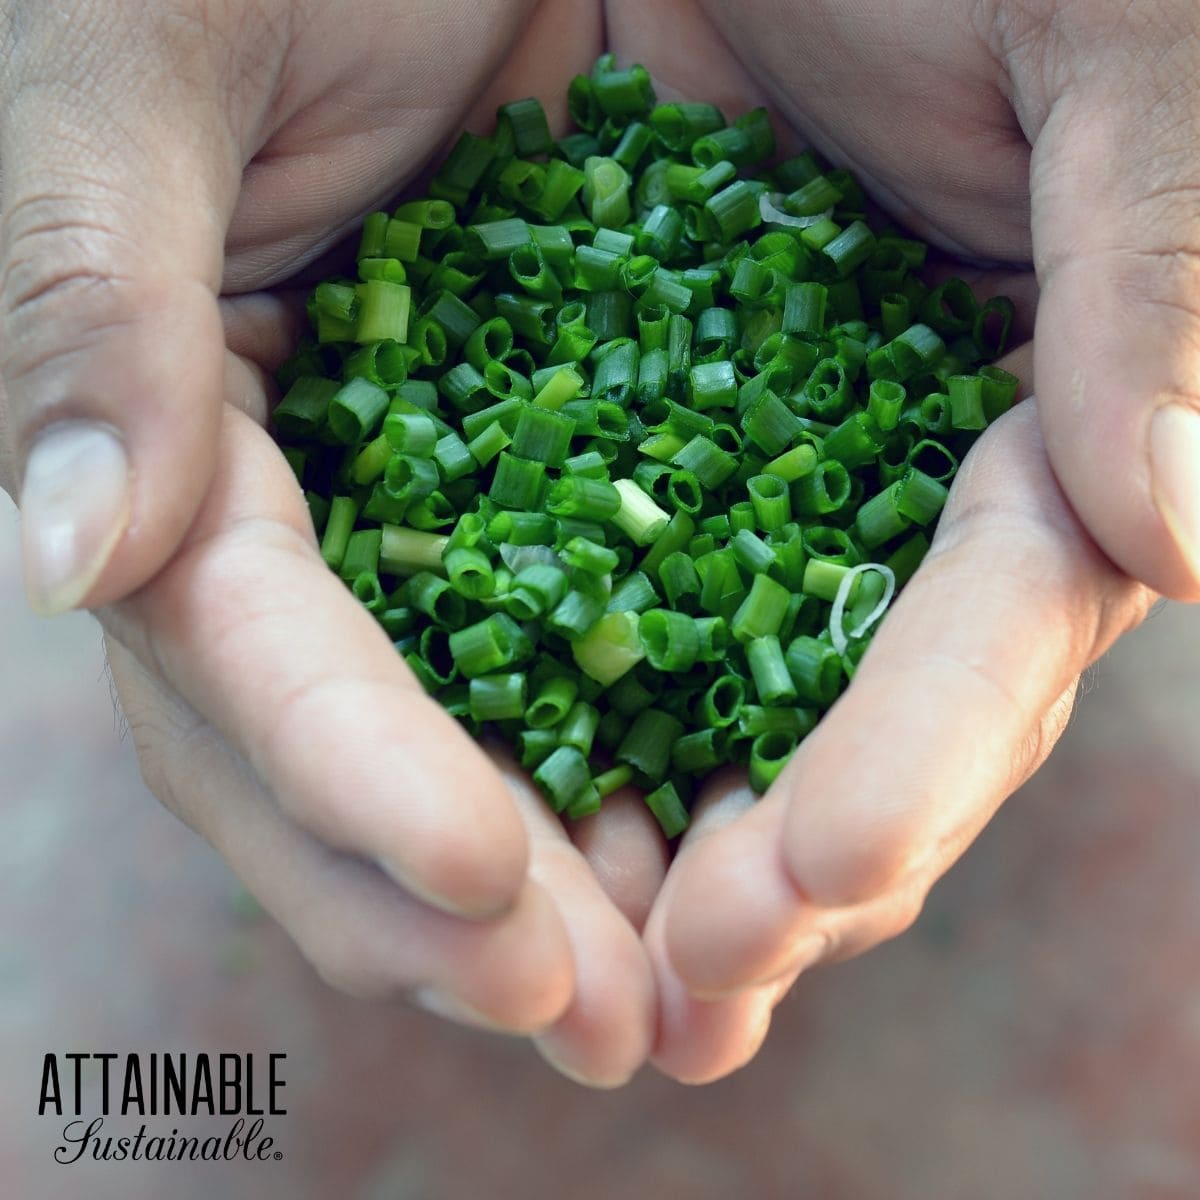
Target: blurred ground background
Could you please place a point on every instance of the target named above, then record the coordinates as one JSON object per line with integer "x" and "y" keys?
{"x": 1036, "y": 1036}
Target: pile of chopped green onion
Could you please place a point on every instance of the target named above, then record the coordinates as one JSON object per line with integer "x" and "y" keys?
{"x": 627, "y": 439}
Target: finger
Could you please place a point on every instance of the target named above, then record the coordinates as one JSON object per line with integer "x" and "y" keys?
{"x": 365, "y": 103}
{"x": 704, "y": 1038}
{"x": 700, "y": 1040}
{"x": 119, "y": 173}
{"x": 250, "y": 627}
{"x": 576, "y": 34}
{"x": 264, "y": 327}
{"x": 626, "y": 851}
{"x": 945, "y": 717}
{"x": 606, "y": 1032}
{"x": 1117, "y": 250}
{"x": 362, "y": 933}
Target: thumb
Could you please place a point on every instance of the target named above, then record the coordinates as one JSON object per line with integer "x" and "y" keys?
{"x": 119, "y": 173}
{"x": 1116, "y": 174}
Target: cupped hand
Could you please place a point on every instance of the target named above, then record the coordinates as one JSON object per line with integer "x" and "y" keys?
{"x": 154, "y": 157}
{"x": 1053, "y": 141}
{"x": 965, "y": 689}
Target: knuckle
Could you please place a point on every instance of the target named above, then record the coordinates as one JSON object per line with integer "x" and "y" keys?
{"x": 340, "y": 960}
{"x": 175, "y": 746}
{"x": 296, "y": 715}
{"x": 875, "y": 867}
{"x": 163, "y": 742}
{"x": 65, "y": 279}
{"x": 1045, "y": 733}
{"x": 168, "y": 743}
{"x": 907, "y": 911}
{"x": 1165, "y": 276}
{"x": 348, "y": 978}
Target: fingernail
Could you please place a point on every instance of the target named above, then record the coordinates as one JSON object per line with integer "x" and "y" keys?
{"x": 1175, "y": 476}
{"x": 74, "y": 509}
{"x": 442, "y": 1004}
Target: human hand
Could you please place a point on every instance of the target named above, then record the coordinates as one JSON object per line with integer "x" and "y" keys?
{"x": 1057, "y": 133}
{"x": 970, "y": 680}
{"x": 155, "y": 156}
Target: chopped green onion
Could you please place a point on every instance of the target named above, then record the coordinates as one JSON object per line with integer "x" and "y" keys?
{"x": 646, "y": 746}
{"x": 617, "y": 419}
{"x": 668, "y": 809}
{"x": 497, "y": 697}
{"x": 769, "y": 754}
{"x": 609, "y": 648}
{"x": 563, "y": 777}
{"x": 489, "y": 645}
{"x": 638, "y": 517}
{"x": 669, "y": 638}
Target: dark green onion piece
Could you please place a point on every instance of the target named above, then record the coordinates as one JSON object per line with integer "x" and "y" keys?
{"x": 769, "y": 754}
{"x": 634, "y": 594}
{"x": 530, "y": 130}
{"x": 816, "y": 670}
{"x": 769, "y": 671}
{"x": 668, "y": 809}
{"x": 535, "y": 590}
{"x": 669, "y": 638}
{"x": 517, "y": 483}
{"x": 302, "y": 411}
{"x": 563, "y": 777}
{"x": 919, "y": 497}
{"x": 579, "y": 727}
{"x": 489, "y": 645}
{"x": 551, "y": 702}
{"x": 534, "y": 746}
{"x": 576, "y": 614}
{"x": 497, "y": 697}
{"x": 880, "y": 518}
{"x": 699, "y": 752}
{"x": 647, "y": 744}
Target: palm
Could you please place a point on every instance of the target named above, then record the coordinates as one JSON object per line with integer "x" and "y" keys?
{"x": 360, "y": 106}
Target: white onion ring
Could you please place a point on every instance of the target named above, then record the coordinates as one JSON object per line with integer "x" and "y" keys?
{"x": 841, "y": 639}
{"x": 775, "y": 216}
{"x": 517, "y": 558}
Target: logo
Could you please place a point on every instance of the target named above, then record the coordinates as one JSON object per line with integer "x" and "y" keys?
{"x": 160, "y": 1092}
